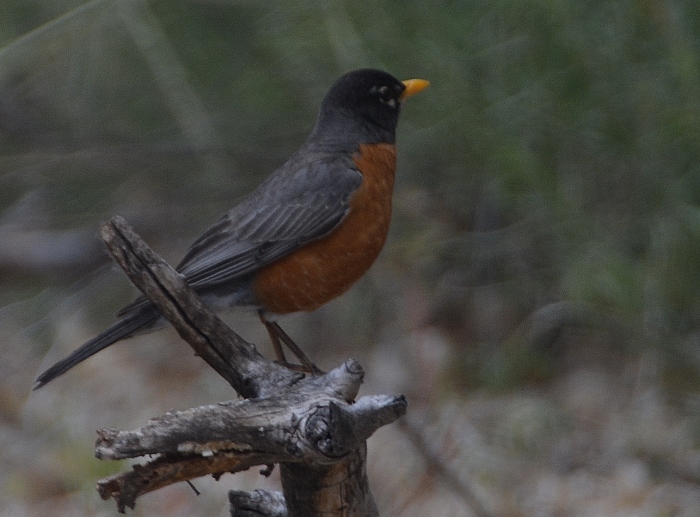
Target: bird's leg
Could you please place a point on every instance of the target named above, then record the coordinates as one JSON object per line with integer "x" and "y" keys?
{"x": 306, "y": 363}
{"x": 279, "y": 336}
{"x": 274, "y": 338}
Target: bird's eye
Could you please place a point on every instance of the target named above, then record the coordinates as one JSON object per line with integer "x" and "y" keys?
{"x": 386, "y": 95}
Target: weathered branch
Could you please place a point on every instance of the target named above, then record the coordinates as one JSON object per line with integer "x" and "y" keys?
{"x": 126, "y": 487}
{"x": 257, "y": 503}
{"x": 339, "y": 488}
{"x": 307, "y": 421}
{"x": 311, "y": 426}
{"x": 250, "y": 374}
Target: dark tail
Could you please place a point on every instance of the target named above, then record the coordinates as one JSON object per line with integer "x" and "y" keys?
{"x": 126, "y": 327}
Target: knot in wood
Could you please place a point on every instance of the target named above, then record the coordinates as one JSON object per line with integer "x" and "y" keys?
{"x": 330, "y": 430}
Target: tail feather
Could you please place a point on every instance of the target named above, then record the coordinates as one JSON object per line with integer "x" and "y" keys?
{"x": 124, "y": 328}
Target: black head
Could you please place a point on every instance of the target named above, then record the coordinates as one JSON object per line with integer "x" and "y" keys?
{"x": 362, "y": 106}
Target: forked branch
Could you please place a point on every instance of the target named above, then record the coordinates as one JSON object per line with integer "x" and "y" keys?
{"x": 311, "y": 425}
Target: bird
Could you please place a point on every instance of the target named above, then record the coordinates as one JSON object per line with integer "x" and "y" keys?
{"x": 306, "y": 234}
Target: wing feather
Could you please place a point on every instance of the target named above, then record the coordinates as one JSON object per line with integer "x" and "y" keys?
{"x": 297, "y": 204}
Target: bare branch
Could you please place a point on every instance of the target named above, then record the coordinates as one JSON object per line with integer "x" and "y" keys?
{"x": 316, "y": 432}
{"x": 257, "y": 503}
{"x": 339, "y": 488}
{"x": 304, "y": 420}
{"x": 237, "y": 361}
{"x": 311, "y": 426}
{"x": 126, "y": 487}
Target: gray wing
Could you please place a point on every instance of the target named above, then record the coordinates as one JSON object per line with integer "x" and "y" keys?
{"x": 296, "y": 205}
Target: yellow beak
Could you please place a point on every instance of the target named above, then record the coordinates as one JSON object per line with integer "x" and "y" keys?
{"x": 413, "y": 86}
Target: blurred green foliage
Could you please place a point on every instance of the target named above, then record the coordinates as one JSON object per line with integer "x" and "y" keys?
{"x": 547, "y": 208}
{"x": 555, "y": 157}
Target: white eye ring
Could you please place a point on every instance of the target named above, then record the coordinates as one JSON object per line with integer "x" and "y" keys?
{"x": 386, "y": 97}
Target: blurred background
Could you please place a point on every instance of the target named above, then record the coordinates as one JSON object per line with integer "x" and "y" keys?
{"x": 538, "y": 300}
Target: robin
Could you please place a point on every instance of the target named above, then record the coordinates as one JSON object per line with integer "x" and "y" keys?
{"x": 307, "y": 233}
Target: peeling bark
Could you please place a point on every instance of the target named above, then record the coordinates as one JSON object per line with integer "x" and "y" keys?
{"x": 311, "y": 426}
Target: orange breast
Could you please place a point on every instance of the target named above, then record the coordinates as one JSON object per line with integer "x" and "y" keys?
{"x": 326, "y": 268}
